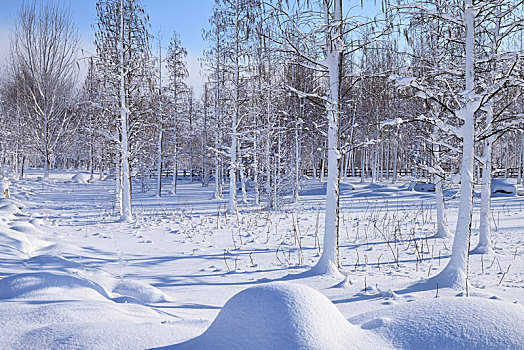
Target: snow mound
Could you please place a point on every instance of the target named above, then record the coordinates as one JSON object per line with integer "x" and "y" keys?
{"x": 25, "y": 227}
{"x": 346, "y": 186}
{"x": 502, "y": 187}
{"x": 449, "y": 323}
{"x": 50, "y": 261}
{"x": 424, "y": 187}
{"x": 345, "y": 283}
{"x": 81, "y": 178}
{"x": 282, "y": 316}
{"x": 15, "y": 202}
{"x": 37, "y": 222}
{"x": 8, "y": 211}
{"x": 418, "y": 186}
{"x": 95, "y": 325}
{"x": 61, "y": 249}
{"x": 140, "y": 291}
{"x": 15, "y": 240}
{"x": 49, "y": 286}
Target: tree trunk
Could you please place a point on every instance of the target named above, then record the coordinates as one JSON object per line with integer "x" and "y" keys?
{"x": 484, "y": 245}
{"x": 159, "y": 163}
{"x": 395, "y": 158}
{"x": 127, "y": 214}
{"x": 329, "y": 260}
{"x": 455, "y": 273}
{"x": 521, "y": 159}
{"x": 442, "y": 225}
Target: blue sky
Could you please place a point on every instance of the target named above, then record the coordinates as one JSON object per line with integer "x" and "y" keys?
{"x": 187, "y": 17}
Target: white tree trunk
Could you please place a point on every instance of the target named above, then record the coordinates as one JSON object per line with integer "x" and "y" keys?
{"x": 232, "y": 204}
{"x": 484, "y": 245}
{"x": 395, "y": 157}
{"x": 118, "y": 178}
{"x": 255, "y": 168}
{"x": 205, "y": 180}
{"x": 175, "y": 162}
{"x": 521, "y": 159}
{"x": 313, "y": 160}
{"x": 329, "y": 263}
{"x": 46, "y": 147}
{"x": 277, "y": 171}
{"x": 191, "y": 159}
{"x": 127, "y": 214}
{"x": 161, "y": 129}
{"x": 455, "y": 272}
{"x": 159, "y": 163}
{"x": 442, "y": 224}
{"x": 296, "y": 182}
{"x": 267, "y": 166}
{"x": 363, "y": 164}
{"x": 242, "y": 174}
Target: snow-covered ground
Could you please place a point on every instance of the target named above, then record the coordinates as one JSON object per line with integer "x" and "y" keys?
{"x": 74, "y": 277}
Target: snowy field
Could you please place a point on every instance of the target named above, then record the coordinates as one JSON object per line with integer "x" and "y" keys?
{"x": 73, "y": 277}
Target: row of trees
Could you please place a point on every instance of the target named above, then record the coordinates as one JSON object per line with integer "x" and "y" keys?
{"x": 433, "y": 86}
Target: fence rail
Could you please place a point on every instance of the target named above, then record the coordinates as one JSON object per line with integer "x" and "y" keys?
{"x": 197, "y": 172}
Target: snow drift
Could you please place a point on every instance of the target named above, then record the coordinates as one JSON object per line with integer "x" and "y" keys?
{"x": 81, "y": 178}
{"x": 45, "y": 285}
{"x": 282, "y": 316}
{"x": 45, "y": 310}
{"x": 449, "y": 323}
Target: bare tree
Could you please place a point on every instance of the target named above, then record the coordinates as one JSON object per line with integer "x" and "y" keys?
{"x": 177, "y": 71}
{"x": 44, "y": 46}
{"x": 124, "y": 57}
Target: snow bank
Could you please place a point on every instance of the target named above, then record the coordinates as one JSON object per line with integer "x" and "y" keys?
{"x": 63, "y": 312}
{"x": 502, "y": 187}
{"x": 49, "y": 286}
{"x": 81, "y": 178}
{"x": 449, "y": 323}
{"x": 282, "y": 316}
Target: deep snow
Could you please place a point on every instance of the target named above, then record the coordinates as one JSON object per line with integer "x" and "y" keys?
{"x": 282, "y": 315}
{"x": 72, "y": 276}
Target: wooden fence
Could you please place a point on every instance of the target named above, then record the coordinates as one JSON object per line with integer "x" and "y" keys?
{"x": 197, "y": 172}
